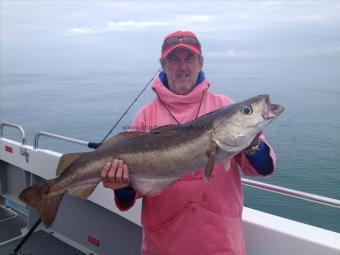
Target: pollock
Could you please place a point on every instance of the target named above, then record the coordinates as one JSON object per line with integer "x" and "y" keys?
{"x": 158, "y": 158}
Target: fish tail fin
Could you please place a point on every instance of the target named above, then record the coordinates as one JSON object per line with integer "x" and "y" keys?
{"x": 47, "y": 206}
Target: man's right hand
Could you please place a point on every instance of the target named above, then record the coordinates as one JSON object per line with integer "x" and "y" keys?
{"x": 115, "y": 175}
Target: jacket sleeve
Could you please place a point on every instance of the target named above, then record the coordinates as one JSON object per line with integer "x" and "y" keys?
{"x": 125, "y": 198}
{"x": 252, "y": 165}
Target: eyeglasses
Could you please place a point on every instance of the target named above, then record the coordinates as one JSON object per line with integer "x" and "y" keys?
{"x": 190, "y": 40}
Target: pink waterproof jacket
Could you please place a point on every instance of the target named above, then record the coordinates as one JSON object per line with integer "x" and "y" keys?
{"x": 193, "y": 216}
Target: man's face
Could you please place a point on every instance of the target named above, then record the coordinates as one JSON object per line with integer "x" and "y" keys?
{"x": 182, "y": 68}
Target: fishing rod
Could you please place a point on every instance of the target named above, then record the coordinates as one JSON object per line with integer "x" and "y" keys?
{"x": 94, "y": 145}
{"x": 26, "y": 237}
{"x": 91, "y": 145}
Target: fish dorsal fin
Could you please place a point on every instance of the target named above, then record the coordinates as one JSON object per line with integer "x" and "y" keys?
{"x": 121, "y": 136}
{"x": 163, "y": 128}
{"x": 66, "y": 160}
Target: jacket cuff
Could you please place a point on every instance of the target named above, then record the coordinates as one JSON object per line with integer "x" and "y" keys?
{"x": 125, "y": 198}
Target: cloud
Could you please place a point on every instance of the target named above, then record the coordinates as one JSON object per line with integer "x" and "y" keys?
{"x": 188, "y": 19}
{"x": 326, "y": 51}
{"x": 127, "y": 25}
{"x": 118, "y": 26}
{"x": 227, "y": 29}
{"x": 131, "y": 24}
{"x": 232, "y": 54}
{"x": 320, "y": 51}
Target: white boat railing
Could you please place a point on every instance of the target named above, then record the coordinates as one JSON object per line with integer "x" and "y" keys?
{"x": 292, "y": 193}
{"x": 8, "y": 124}
{"x": 58, "y": 137}
{"x": 246, "y": 182}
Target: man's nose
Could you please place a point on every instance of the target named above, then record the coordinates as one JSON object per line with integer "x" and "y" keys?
{"x": 182, "y": 65}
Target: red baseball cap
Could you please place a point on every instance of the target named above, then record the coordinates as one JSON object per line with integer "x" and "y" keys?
{"x": 181, "y": 39}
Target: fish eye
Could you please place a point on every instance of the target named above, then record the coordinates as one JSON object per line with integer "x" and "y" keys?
{"x": 247, "y": 110}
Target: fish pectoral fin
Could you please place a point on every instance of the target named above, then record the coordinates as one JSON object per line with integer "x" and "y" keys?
{"x": 82, "y": 191}
{"x": 227, "y": 147}
{"x": 209, "y": 167}
{"x": 150, "y": 187}
{"x": 223, "y": 146}
{"x": 121, "y": 136}
{"x": 66, "y": 160}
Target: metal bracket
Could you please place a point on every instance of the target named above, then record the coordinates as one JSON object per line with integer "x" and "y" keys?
{"x": 24, "y": 152}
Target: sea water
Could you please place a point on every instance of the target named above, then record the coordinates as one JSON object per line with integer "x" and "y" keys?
{"x": 84, "y": 103}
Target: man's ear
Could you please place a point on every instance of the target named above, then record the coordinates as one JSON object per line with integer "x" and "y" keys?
{"x": 201, "y": 60}
{"x": 162, "y": 61}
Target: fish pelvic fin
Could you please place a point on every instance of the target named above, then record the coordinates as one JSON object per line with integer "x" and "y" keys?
{"x": 66, "y": 160}
{"x": 47, "y": 206}
{"x": 209, "y": 167}
{"x": 150, "y": 186}
{"x": 226, "y": 165}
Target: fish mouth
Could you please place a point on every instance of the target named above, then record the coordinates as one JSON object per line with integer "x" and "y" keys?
{"x": 271, "y": 110}
{"x": 276, "y": 109}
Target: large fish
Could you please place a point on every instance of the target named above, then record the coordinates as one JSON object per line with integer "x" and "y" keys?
{"x": 158, "y": 158}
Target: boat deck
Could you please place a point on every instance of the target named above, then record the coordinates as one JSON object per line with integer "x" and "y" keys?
{"x": 13, "y": 229}
{"x": 11, "y": 224}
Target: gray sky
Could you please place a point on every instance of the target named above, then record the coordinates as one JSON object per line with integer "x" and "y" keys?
{"x": 71, "y": 34}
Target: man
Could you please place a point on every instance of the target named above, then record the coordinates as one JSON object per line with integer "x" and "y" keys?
{"x": 191, "y": 216}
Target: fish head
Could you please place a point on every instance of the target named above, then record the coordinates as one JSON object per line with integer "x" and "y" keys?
{"x": 242, "y": 121}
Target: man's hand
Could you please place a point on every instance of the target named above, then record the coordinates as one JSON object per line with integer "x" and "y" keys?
{"x": 115, "y": 175}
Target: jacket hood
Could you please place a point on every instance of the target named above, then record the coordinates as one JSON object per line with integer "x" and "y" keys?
{"x": 178, "y": 101}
